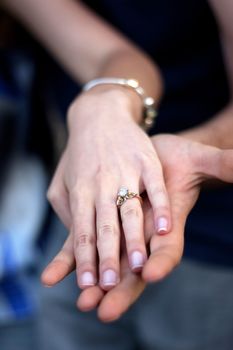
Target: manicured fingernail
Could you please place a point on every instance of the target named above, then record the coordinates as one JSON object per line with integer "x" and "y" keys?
{"x": 109, "y": 278}
{"x": 162, "y": 227}
{"x": 136, "y": 260}
{"x": 87, "y": 279}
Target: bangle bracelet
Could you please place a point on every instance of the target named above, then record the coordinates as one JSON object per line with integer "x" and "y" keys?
{"x": 149, "y": 111}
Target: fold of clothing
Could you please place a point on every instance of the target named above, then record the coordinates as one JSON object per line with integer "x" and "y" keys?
{"x": 182, "y": 37}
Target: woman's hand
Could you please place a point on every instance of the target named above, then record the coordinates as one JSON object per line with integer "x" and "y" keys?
{"x": 107, "y": 150}
{"x": 186, "y": 165}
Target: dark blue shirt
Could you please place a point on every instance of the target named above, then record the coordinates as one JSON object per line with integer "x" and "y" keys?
{"x": 182, "y": 37}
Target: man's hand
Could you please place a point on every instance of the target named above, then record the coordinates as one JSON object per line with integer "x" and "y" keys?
{"x": 186, "y": 165}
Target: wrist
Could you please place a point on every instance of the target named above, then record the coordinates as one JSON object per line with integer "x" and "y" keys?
{"x": 105, "y": 103}
{"x": 149, "y": 113}
{"x": 119, "y": 95}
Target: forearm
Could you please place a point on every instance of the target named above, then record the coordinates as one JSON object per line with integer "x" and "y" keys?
{"x": 84, "y": 44}
{"x": 218, "y": 131}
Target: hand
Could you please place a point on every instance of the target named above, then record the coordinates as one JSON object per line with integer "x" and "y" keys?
{"x": 107, "y": 149}
{"x": 186, "y": 165}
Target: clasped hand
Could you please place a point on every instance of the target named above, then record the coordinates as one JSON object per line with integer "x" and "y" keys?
{"x": 105, "y": 151}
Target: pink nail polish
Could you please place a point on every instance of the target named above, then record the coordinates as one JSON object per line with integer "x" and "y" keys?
{"x": 162, "y": 226}
{"x": 136, "y": 260}
{"x": 87, "y": 279}
{"x": 109, "y": 278}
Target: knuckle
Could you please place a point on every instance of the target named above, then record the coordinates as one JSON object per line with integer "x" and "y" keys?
{"x": 53, "y": 196}
{"x": 84, "y": 239}
{"x": 106, "y": 229}
{"x": 127, "y": 212}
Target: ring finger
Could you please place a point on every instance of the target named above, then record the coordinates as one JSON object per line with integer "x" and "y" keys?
{"x": 132, "y": 223}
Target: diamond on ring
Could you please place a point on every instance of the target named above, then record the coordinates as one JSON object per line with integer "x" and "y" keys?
{"x": 123, "y": 191}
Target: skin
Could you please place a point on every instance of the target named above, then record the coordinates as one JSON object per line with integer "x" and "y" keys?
{"x": 117, "y": 57}
{"x": 87, "y": 179}
{"x": 99, "y": 172}
{"x": 187, "y": 164}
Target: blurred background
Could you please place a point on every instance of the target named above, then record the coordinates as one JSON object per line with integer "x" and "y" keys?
{"x": 32, "y": 135}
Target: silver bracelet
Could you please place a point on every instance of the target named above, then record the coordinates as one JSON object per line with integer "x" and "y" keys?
{"x": 149, "y": 111}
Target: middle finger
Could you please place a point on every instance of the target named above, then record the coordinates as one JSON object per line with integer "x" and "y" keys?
{"x": 108, "y": 238}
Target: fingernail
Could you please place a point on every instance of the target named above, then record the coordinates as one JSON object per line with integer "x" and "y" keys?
{"x": 87, "y": 279}
{"x": 109, "y": 278}
{"x": 162, "y": 226}
{"x": 136, "y": 260}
